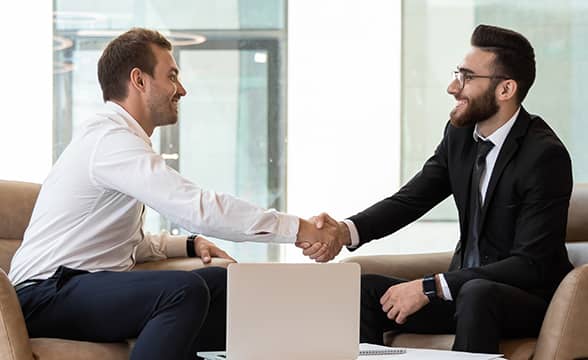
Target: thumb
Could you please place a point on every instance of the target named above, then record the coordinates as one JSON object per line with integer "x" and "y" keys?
{"x": 205, "y": 255}
{"x": 319, "y": 221}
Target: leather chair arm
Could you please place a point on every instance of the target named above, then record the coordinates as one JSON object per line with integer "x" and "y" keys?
{"x": 407, "y": 267}
{"x": 14, "y": 338}
{"x": 180, "y": 264}
{"x": 563, "y": 333}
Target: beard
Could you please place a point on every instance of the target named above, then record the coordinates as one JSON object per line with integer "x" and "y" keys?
{"x": 477, "y": 109}
{"x": 163, "y": 111}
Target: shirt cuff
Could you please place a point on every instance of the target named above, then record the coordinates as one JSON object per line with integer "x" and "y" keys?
{"x": 445, "y": 288}
{"x": 176, "y": 246}
{"x": 352, "y": 233}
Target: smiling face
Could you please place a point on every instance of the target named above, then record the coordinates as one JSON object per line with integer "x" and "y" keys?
{"x": 476, "y": 101}
{"x": 164, "y": 89}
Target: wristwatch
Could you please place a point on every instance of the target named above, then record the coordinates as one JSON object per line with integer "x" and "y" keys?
{"x": 190, "y": 245}
{"x": 430, "y": 287}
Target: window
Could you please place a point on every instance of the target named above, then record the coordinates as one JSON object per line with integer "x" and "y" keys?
{"x": 436, "y": 36}
{"x": 230, "y": 136}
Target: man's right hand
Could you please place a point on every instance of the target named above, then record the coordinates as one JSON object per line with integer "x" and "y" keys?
{"x": 322, "y": 237}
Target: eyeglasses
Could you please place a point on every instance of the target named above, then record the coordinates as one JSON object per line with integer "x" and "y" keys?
{"x": 462, "y": 76}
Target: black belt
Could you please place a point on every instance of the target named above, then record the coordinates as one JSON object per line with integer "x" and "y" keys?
{"x": 25, "y": 284}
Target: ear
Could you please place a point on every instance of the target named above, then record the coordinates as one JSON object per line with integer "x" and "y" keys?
{"x": 137, "y": 79}
{"x": 506, "y": 90}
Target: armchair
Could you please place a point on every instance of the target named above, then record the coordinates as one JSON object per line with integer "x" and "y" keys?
{"x": 17, "y": 200}
{"x": 563, "y": 333}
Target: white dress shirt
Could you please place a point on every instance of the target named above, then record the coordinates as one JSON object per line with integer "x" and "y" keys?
{"x": 88, "y": 214}
{"x": 498, "y": 137}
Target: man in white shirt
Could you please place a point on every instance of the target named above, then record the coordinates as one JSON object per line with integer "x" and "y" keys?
{"x": 511, "y": 180}
{"x": 85, "y": 232}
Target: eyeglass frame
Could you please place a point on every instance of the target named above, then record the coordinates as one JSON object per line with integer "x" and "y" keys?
{"x": 467, "y": 75}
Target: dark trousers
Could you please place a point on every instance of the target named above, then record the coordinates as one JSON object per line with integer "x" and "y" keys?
{"x": 481, "y": 314}
{"x": 172, "y": 314}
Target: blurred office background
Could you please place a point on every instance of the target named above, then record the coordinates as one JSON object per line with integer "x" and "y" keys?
{"x": 304, "y": 106}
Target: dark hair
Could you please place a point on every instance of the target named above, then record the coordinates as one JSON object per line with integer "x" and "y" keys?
{"x": 128, "y": 51}
{"x": 515, "y": 57}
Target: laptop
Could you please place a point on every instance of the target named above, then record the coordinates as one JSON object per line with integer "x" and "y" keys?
{"x": 292, "y": 311}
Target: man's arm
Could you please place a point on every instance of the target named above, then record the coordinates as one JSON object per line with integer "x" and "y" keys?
{"x": 154, "y": 247}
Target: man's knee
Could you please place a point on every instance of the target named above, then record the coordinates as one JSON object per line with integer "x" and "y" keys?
{"x": 189, "y": 287}
{"x": 475, "y": 294}
{"x": 213, "y": 276}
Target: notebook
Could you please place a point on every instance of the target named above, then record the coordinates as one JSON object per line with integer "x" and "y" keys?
{"x": 292, "y": 311}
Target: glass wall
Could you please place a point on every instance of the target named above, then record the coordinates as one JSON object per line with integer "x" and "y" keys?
{"x": 435, "y": 39}
{"x": 230, "y": 136}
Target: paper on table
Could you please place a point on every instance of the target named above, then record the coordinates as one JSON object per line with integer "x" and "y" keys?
{"x": 425, "y": 354}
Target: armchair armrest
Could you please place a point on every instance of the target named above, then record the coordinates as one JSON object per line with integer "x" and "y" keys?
{"x": 407, "y": 267}
{"x": 14, "y": 338}
{"x": 181, "y": 264}
{"x": 563, "y": 333}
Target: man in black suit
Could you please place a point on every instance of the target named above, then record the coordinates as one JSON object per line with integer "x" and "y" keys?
{"x": 511, "y": 180}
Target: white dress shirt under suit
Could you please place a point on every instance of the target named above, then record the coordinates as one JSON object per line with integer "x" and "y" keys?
{"x": 497, "y": 138}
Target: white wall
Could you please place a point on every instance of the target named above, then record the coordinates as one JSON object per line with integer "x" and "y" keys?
{"x": 26, "y": 90}
{"x": 344, "y": 80}
{"x": 343, "y": 104}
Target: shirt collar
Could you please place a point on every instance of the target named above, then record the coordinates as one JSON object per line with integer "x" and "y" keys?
{"x": 130, "y": 121}
{"x": 499, "y": 135}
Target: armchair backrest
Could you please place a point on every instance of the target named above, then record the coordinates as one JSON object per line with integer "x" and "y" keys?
{"x": 577, "y": 230}
{"x": 17, "y": 200}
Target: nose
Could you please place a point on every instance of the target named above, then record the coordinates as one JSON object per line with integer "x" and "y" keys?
{"x": 181, "y": 90}
{"x": 453, "y": 87}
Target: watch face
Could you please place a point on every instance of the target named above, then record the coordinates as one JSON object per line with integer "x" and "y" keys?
{"x": 429, "y": 287}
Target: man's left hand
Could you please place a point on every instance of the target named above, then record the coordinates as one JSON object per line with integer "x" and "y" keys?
{"x": 402, "y": 300}
{"x": 206, "y": 249}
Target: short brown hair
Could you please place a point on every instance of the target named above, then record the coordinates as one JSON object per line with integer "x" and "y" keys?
{"x": 515, "y": 57}
{"x": 128, "y": 51}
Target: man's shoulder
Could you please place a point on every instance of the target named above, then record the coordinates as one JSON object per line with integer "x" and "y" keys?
{"x": 541, "y": 136}
{"x": 103, "y": 123}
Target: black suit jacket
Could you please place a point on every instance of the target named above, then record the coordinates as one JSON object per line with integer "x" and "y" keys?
{"x": 523, "y": 221}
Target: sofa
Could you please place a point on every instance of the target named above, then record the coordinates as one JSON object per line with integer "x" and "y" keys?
{"x": 564, "y": 332}
{"x": 16, "y": 204}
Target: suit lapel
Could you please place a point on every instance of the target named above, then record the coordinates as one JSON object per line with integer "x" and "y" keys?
{"x": 509, "y": 148}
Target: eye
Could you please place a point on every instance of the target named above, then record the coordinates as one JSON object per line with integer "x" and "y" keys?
{"x": 173, "y": 77}
{"x": 468, "y": 77}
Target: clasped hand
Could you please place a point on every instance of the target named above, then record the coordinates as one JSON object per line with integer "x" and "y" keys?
{"x": 321, "y": 237}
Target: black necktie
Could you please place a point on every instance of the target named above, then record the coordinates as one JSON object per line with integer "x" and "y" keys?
{"x": 472, "y": 254}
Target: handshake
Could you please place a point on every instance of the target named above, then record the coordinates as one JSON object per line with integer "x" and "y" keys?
{"x": 321, "y": 237}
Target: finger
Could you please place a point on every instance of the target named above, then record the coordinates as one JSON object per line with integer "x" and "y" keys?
{"x": 320, "y": 252}
{"x": 389, "y": 304}
{"x": 326, "y": 256}
{"x": 401, "y": 318}
{"x": 393, "y": 313}
{"x": 223, "y": 254}
{"x": 205, "y": 254}
{"x": 302, "y": 244}
{"x": 312, "y": 249}
{"x": 327, "y": 218}
{"x": 385, "y": 297}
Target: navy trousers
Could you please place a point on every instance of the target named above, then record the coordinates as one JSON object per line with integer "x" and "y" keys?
{"x": 481, "y": 314}
{"x": 172, "y": 314}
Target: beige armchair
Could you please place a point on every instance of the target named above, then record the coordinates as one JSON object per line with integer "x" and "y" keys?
{"x": 564, "y": 329}
{"x": 16, "y": 204}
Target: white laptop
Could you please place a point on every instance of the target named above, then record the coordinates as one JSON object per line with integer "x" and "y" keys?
{"x": 292, "y": 311}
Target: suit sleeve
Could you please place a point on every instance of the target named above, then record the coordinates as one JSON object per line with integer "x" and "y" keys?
{"x": 425, "y": 190}
{"x": 540, "y": 226}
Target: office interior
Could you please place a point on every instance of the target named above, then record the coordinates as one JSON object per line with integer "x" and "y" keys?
{"x": 304, "y": 106}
